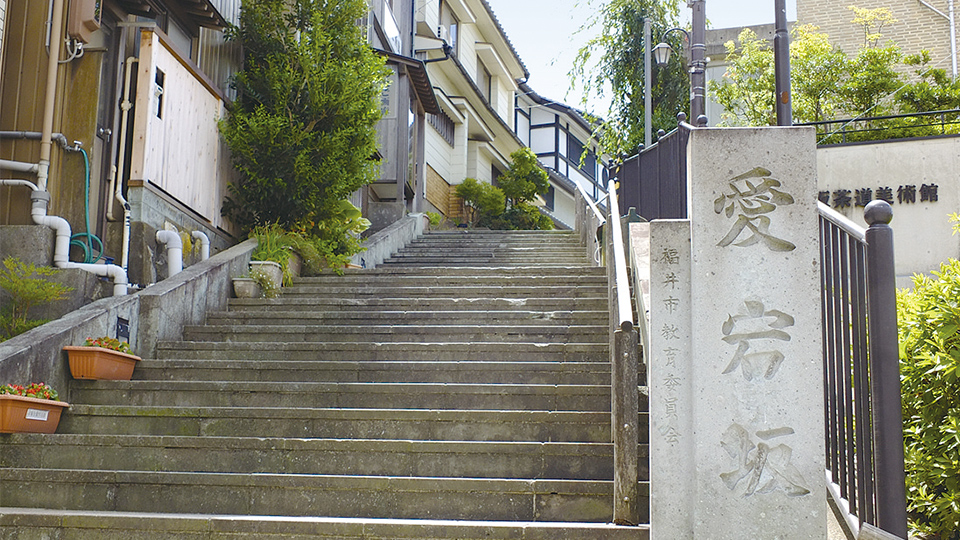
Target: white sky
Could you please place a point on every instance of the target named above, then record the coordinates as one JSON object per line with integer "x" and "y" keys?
{"x": 544, "y": 33}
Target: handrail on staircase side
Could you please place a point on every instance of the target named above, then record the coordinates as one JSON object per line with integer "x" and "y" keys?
{"x": 590, "y": 203}
{"x": 624, "y": 360}
{"x": 622, "y": 282}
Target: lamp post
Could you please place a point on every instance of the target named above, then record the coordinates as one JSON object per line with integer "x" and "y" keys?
{"x": 698, "y": 63}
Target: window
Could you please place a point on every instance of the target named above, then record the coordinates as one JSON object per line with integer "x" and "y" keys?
{"x": 444, "y": 126}
{"x": 449, "y": 26}
{"x": 549, "y": 198}
{"x": 483, "y": 80}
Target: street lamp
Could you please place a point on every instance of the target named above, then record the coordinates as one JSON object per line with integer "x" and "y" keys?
{"x": 698, "y": 62}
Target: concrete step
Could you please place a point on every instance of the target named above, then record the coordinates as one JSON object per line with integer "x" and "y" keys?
{"x": 533, "y": 253}
{"x": 533, "y": 270}
{"x": 28, "y": 523}
{"x": 277, "y": 315}
{"x": 454, "y": 303}
{"x": 343, "y": 423}
{"x": 497, "y": 499}
{"x": 454, "y": 260}
{"x": 592, "y": 373}
{"x": 451, "y": 280}
{"x": 533, "y": 397}
{"x": 386, "y": 351}
{"x": 386, "y": 290}
{"x": 398, "y": 333}
{"x": 363, "y": 457}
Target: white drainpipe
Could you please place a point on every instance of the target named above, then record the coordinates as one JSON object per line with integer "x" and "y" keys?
{"x": 174, "y": 251}
{"x": 61, "y": 249}
{"x": 953, "y": 30}
{"x": 116, "y": 184}
{"x": 204, "y": 244}
{"x": 46, "y": 139}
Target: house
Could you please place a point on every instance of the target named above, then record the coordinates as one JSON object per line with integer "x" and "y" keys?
{"x": 562, "y": 139}
{"x": 474, "y": 70}
{"x": 140, "y": 87}
{"x": 133, "y": 105}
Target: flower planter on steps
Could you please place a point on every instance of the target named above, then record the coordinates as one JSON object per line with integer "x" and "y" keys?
{"x": 98, "y": 363}
{"x": 20, "y": 414}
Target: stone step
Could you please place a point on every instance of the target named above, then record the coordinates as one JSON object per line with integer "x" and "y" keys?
{"x": 277, "y": 315}
{"x": 363, "y": 457}
{"x": 343, "y": 423}
{"x": 533, "y": 253}
{"x": 451, "y": 280}
{"x": 593, "y": 373}
{"x": 347, "y": 303}
{"x": 400, "y": 497}
{"x": 326, "y": 334}
{"x": 387, "y": 351}
{"x": 468, "y": 261}
{"x": 386, "y": 290}
{"x": 543, "y": 397}
{"x": 571, "y": 270}
{"x": 28, "y": 523}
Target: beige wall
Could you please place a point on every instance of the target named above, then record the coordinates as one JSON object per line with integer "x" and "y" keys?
{"x": 923, "y": 235}
{"x": 917, "y": 27}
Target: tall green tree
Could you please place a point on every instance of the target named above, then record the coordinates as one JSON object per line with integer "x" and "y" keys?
{"x": 302, "y": 128}
{"x": 610, "y": 65}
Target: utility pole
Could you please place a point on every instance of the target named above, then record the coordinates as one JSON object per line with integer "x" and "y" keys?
{"x": 647, "y": 87}
{"x": 781, "y": 59}
{"x": 698, "y": 62}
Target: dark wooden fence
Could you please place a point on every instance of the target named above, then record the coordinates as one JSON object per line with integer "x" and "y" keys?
{"x": 655, "y": 180}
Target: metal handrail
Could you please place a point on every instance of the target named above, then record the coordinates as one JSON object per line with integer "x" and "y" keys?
{"x": 590, "y": 203}
{"x": 624, "y": 310}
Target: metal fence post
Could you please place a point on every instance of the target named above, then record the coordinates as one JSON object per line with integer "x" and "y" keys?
{"x": 885, "y": 371}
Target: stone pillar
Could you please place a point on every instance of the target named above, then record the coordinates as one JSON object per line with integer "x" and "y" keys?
{"x": 736, "y": 384}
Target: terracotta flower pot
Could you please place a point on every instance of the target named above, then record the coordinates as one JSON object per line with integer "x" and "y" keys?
{"x": 100, "y": 364}
{"x": 20, "y": 414}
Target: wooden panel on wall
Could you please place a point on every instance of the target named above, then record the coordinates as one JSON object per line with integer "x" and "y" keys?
{"x": 438, "y": 190}
{"x": 176, "y": 143}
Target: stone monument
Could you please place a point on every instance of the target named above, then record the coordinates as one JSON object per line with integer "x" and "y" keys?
{"x": 735, "y": 363}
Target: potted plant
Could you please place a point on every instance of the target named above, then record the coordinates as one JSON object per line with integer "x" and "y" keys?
{"x": 102, "y": 358}
{"x": 30, "y": 409}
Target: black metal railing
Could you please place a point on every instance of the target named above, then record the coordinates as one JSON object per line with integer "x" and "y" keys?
{"x": 898, "y": 126}
{"x": 864, "y": 428}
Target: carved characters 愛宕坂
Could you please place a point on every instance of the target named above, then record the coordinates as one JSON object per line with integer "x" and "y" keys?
{"x": 751, "y": 201}
{"x": 756, "y": 323}
{"x": 766, "y": 468}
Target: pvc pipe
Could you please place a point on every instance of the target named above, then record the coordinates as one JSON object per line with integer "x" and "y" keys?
{"x": 116, "y": 184}
{"x": 204, "y": 244}
{"x": 61, "y": 249}
{"x": 36, "y": 136}
{"x": 46, "y": 144}
{"x": 18, "y": 182}
{"x": 174, "y": 251}
{"x": 19, "y": 166}
{"x": 953, "y": 39}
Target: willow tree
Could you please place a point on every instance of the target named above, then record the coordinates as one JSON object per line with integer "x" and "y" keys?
{"x": 302, "y": 127}
{"x": 610, "y": 66}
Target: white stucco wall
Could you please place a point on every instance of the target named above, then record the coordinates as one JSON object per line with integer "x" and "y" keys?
{"x": 923, "y": 234}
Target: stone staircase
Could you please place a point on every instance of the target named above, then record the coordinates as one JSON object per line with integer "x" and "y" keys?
{"x": 460, "y": 390}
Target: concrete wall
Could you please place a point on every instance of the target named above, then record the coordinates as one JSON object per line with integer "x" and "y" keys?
{"x": 388, "y": 241}
{"x": 156, "y": 313}
{"x": 923, "y": 234}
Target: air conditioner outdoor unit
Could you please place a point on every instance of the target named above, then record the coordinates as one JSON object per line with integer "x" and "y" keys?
{"x": 443, "y": 34}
